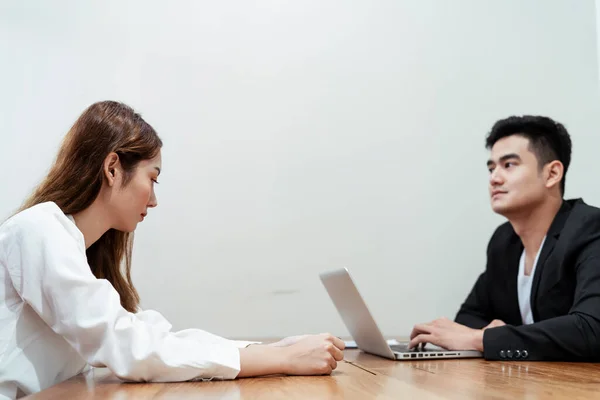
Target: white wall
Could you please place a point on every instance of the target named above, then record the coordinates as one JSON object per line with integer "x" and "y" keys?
{"x": 302, "y": 136}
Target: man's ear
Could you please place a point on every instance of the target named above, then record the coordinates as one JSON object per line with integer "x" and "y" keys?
{"x": 111, "y": 168}
{"x": 554, "y": 172}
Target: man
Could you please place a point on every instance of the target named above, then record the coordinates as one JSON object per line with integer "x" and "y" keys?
{"x": 539, "y": 297}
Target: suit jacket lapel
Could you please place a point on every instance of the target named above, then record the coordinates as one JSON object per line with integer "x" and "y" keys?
{"x": 514, "y": 252}
{"x": 549, "y": 244}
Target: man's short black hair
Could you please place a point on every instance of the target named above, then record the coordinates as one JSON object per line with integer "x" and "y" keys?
{"x": 548, "y": 139}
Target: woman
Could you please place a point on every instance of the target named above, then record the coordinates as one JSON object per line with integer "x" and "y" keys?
{"x": 67, "y": 299}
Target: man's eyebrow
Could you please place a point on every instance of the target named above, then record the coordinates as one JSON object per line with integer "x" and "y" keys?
{"x": 504, "y": 158}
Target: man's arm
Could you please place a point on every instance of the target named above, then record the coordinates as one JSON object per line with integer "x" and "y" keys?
{"x": 466, "y": 332}
{"x": 572, "y": 337}
{"x": 474, "y": 312}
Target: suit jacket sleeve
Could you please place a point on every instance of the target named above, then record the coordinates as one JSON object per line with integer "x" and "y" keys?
{"x": 572, "y": 337}
{"x": 475, "y": 311}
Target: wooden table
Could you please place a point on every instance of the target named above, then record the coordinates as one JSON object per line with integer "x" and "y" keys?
{"x": 363, "y": 376}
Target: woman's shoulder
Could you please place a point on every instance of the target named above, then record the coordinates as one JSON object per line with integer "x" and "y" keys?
{"x": 41, "y": 219}
{"x": 40, "y": 213}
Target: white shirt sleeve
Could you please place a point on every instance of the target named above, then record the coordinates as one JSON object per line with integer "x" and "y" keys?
{"x": 49, "y": 270}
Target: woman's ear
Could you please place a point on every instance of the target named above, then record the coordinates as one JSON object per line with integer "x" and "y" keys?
{"x": 111, "y": 168}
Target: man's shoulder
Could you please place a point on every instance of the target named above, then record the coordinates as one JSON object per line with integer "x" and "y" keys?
{"x": 504, "y": 234}
{"x": 582, "y": 219}
{"x": 583, "y": 213}
{"x": 582, "y": 224}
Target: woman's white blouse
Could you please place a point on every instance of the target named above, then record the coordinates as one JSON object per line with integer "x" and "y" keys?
{"x": 56, "y": 317}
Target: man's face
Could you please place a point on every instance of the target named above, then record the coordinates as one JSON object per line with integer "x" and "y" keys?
{"x": 516, "y": 181}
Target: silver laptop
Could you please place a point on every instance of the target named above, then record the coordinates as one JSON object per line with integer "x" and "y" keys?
{"x": 364, "y": 330}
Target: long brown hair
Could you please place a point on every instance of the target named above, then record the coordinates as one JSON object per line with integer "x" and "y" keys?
{"x": 75, "y": 179}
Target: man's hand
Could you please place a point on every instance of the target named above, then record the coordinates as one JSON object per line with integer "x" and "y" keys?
{"x": 447, "y": 334}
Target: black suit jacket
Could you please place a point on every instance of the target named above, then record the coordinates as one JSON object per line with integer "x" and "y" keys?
{"x": 565, "y": 292}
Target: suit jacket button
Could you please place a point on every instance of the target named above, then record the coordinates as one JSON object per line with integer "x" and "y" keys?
{"x": 517, "y": 354}
{"x": 502, "y": 354}
{"x": 524, "y": 353}
{"x": 509, "y": 354}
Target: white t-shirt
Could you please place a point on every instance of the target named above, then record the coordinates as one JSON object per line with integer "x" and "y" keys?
{"x": 56, "y": 317}
{"x": 524, "y": 286}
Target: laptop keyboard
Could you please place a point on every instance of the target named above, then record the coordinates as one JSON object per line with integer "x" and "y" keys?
{"x": 403, "y": 347}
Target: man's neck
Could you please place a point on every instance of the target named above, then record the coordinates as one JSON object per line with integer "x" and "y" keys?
{"x": 532, "y": 226}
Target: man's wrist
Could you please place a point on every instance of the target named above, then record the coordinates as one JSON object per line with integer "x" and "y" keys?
{"x": 478, "y": 339}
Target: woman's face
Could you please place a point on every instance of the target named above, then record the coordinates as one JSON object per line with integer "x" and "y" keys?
{"x": 132, "y": 201}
